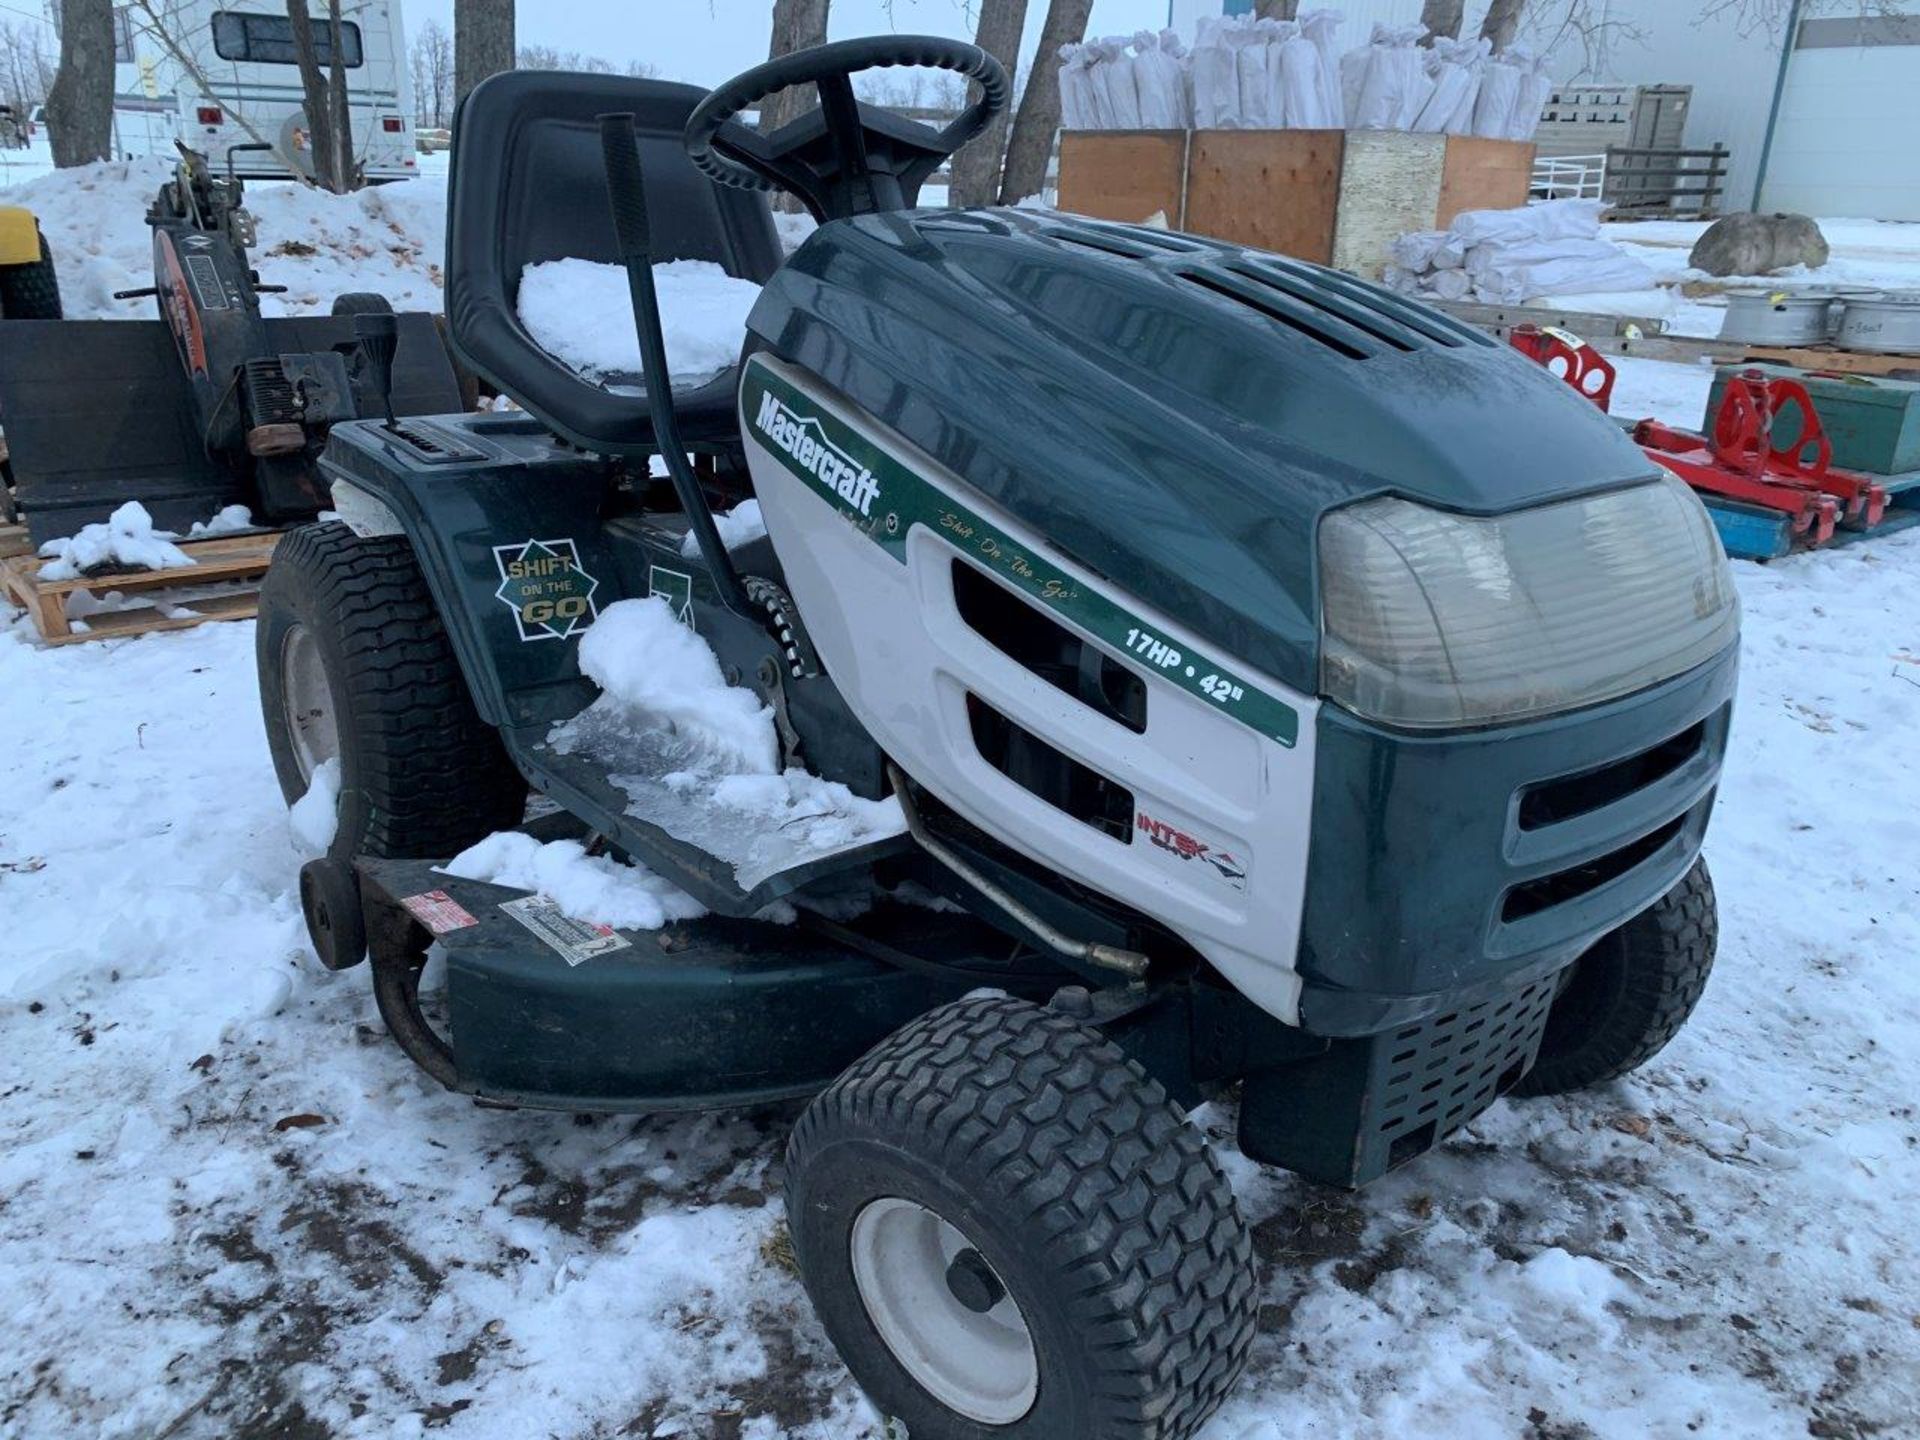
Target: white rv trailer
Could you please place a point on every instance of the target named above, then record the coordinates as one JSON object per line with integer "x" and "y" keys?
{"x": 242, "y": 87}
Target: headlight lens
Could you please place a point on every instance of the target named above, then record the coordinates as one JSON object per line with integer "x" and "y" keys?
{"x": 1432, "y": 619}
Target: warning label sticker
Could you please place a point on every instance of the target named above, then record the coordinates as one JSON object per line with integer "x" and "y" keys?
{"x": 439, "y": 912}
{"x": 574, "y": 939}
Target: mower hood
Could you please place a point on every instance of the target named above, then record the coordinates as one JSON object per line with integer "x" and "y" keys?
{"x": 1174, "y": 412}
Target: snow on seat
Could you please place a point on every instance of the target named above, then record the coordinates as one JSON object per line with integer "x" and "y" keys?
{"x": 581, "y": 313}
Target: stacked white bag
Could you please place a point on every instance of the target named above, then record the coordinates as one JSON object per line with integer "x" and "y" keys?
{"x": 1507, "y": 257}
{"x": 1248, "y": 74}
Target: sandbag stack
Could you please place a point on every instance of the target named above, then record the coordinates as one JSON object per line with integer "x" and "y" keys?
{"x": 1508, "y": 257}
{"x": 1249, "y": 74}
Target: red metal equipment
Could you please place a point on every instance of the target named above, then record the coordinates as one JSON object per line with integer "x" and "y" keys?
{"x": 1569, "y": 357}
{"x": 1741, "y": 461}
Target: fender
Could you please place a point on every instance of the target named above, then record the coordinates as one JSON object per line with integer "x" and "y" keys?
{"x": 507, "y": 527}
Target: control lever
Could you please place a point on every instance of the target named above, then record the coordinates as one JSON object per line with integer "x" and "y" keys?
{"x": 379, "y": 336}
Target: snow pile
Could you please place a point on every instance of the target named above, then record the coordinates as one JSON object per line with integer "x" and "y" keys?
{"x": 581, "y": 313}
{"x": 314, "y": 818}
{"x": 1721, "y": 1244}
{"x": 229, "y": 520}
{"x": 650, "y": 664}
{"x": 595, "y": 889}
{"x": 701, "y": 758}
{"x": 739, "y": 526}
{"x": 126, "y": 540}
{"x": 387, "y": 238}
{"x": 1508, "y": 257}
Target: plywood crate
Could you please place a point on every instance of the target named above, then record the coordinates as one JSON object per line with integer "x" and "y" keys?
{"x": 1334, "y": 197}
{"x": 1129, "y": 175}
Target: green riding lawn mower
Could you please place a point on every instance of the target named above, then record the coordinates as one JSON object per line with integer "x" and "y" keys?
{"x": 1288, "y": 694}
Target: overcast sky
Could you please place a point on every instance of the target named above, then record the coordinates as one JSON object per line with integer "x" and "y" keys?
{"x": 706, "y": 41}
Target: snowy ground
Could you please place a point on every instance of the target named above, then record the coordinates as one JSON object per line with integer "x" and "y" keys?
{"x": 229, "y": 1207}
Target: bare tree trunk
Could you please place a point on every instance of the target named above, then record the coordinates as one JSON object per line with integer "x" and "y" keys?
{"x": 80, "y": 105}
{"x": 482, "y": 42}
{"x": 1031, "y": 145}
{"x": 976, "y": 169}
{"x": 1443, "y": 18}
{"x": 344, "y": 168}
{"x": 317, "y": 103}
{"x": 797, "y": 25}
{"x": 1502, "y": 22}
{"x": 1277, "y": 9}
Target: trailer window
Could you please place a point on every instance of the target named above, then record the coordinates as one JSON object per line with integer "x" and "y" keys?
{"x": 268, "y": 39}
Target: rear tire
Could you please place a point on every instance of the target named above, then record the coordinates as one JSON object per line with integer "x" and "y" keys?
{"x": 356, "y": 666}
{"x": 1098, "y": 1277}
{"x": 362, "y": 302}
{"x": 1630, "y": 993}
{"x": 31, "y": 291}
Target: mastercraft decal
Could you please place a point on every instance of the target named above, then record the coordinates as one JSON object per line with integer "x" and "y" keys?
{"x": 542, "y": 583}
{"x": 884, "y": 500}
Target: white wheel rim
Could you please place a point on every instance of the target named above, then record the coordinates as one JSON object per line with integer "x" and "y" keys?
{"x": 311, "y": 723}
{"x": 981, "y": 1365}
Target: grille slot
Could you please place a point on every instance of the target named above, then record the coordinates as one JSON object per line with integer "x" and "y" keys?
{"x": 1429, "y": 326}
{"x": 1570, "y": 884}
{"x": 1571, "y": 796}
{"x": 1361, "y": 317}
{"x": 1313, "y": 323}
{"x": 1026, "y": 634}
{"x": 1057, "y": 778}
{"x": 1444, "y": 1071}
{"x": 1107, "y": 244}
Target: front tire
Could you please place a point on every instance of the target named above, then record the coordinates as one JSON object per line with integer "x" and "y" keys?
{"x": 1009, "y": 1231}
{"x": 356, "y": 668}
{"x": 1630, "y": 993}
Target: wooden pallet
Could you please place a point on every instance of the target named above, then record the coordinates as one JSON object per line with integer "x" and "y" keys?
{"x": 14, "y": 541}
{"x": 223, "y": 559}
{"x": 1628, "y": 335}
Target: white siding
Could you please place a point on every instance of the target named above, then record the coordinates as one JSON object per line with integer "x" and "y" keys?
{"x": 1845, "y": 143}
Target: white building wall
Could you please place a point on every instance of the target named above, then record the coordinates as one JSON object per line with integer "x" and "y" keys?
{"x": 1732, "y": 65}
{"x": 1845, "y": 141}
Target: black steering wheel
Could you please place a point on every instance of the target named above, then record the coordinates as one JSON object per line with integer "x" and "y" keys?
{"x": 844, "y": 158}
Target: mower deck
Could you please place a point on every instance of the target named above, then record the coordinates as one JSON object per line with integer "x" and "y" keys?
{"x": 554, "y": 1014}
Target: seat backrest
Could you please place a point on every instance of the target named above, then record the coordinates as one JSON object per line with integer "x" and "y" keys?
{"x": 528, "y": 184}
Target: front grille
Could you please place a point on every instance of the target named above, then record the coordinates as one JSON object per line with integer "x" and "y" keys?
{"x": 1442, "y": 1072}
{"x": 1530, "y": 899}
{"x": 1574, "y": 795}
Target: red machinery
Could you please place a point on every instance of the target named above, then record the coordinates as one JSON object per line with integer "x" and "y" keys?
{"x": 1741, "y": 461}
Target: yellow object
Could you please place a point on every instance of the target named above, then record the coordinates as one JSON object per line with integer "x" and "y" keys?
{"x": 19, "y": 237}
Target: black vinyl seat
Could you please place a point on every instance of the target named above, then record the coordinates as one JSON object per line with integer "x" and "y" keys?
{"x": 528, "y": 184}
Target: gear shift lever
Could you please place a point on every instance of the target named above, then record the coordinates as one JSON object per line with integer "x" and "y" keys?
{"x": 379, "y": 337}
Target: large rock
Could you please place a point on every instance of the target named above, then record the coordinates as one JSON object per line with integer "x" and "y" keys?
{"x": 1759, "y": 245}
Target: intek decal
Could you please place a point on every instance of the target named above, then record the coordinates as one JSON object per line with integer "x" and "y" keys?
{"x": 1176, "y": 841}
{"x": 805, "y": 442}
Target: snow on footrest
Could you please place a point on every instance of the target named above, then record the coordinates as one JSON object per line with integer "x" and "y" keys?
{"x": 761, "y": 825}
{"x": 699, "y": 758}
